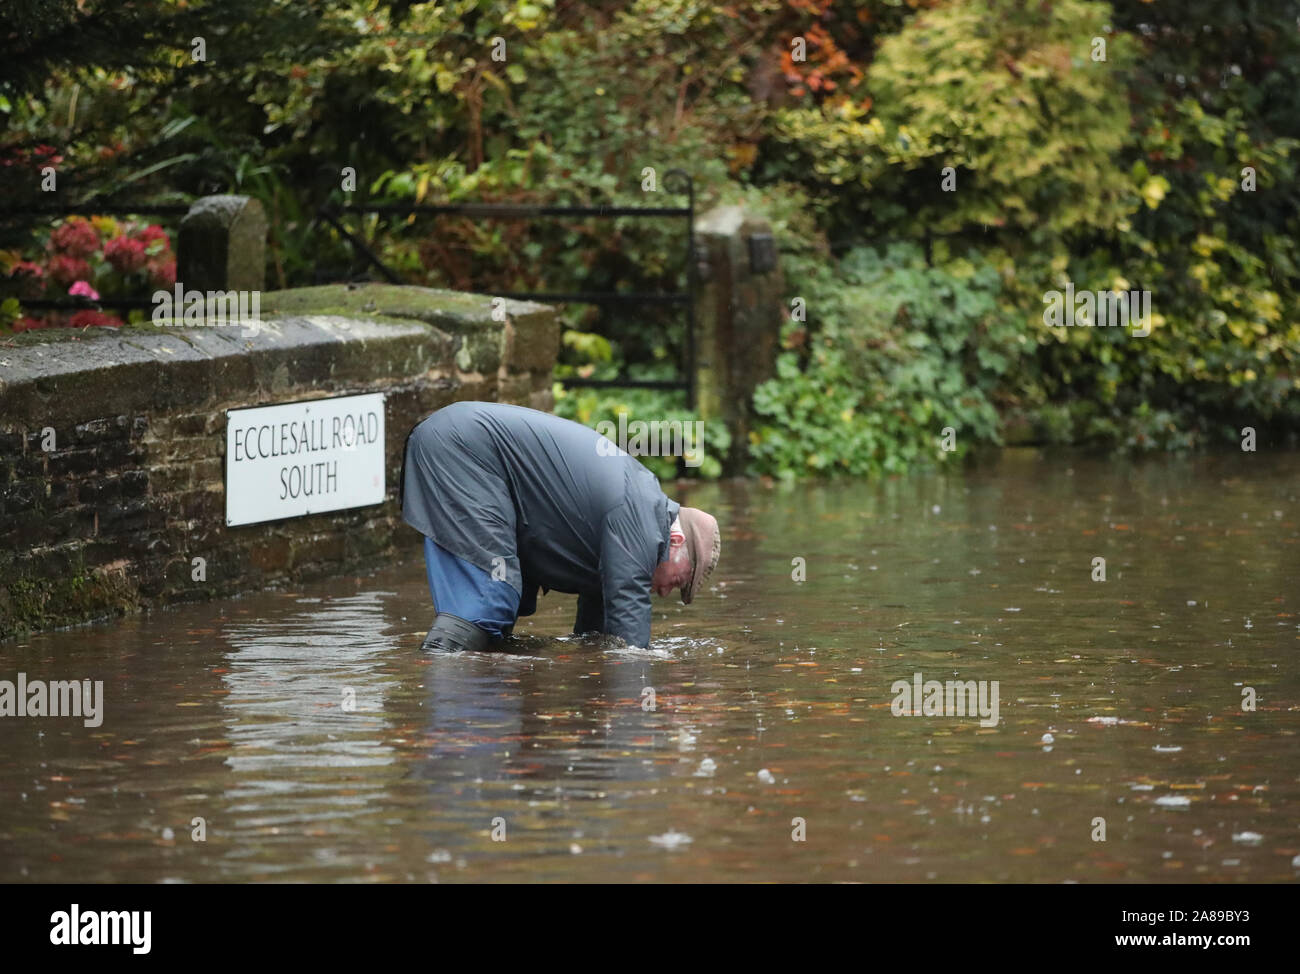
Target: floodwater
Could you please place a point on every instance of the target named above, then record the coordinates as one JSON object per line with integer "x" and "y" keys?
{"x": 770, "y": 750}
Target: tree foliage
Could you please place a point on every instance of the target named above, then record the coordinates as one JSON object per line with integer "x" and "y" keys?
{"x": 932, "y": 168}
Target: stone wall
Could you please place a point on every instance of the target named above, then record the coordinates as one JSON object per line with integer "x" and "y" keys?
{"x": 112, "y": 442}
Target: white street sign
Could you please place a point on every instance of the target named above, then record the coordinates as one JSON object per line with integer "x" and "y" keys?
{"x": 304, "y": 458}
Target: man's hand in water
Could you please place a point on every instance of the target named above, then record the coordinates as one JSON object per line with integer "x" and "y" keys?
{"x": 604, "y": 641}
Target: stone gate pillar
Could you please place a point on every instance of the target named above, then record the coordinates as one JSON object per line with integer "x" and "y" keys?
{"x": 222, "y": 245}
{"x": 738, "y": 315}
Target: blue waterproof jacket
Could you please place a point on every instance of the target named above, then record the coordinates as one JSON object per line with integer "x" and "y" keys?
{"x": 551, "y": 501}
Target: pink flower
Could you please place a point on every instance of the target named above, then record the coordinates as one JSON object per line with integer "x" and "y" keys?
{"x": 154, "y": 232}
{"x": 65, "y": 270}
{"x": 75, "y": 237}
{"x": 38, "y": 158}
{"x": 126, "y": 255}
{"x": 84, "y": 290}
{"x": 162, "y": 273}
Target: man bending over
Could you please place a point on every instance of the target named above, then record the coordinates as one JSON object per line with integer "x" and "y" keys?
{"x": 510, "y": 500}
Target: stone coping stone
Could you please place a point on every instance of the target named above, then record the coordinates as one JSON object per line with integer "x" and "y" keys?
{"x": 337, "y": 333}
{"x": 54, "y": 378}
{"x": 454, "y": 311}
{"x": 482, "y": 346}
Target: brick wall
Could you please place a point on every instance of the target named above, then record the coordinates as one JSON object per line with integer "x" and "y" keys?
{"x": 110, "y": 519}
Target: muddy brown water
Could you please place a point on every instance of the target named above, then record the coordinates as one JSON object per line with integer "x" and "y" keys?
{"x": 772, "y": 713}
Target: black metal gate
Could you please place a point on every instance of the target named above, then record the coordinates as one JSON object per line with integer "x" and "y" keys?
{"x": 333, "y": 214}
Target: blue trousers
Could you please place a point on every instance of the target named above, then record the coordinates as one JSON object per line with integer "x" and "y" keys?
{"x": 467, "y": 591}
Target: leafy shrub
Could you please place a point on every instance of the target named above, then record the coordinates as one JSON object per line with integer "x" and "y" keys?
{"x": 895, "y": 352}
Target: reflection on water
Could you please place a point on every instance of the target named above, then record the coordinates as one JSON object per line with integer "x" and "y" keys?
{"x": 314, "y": 742}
